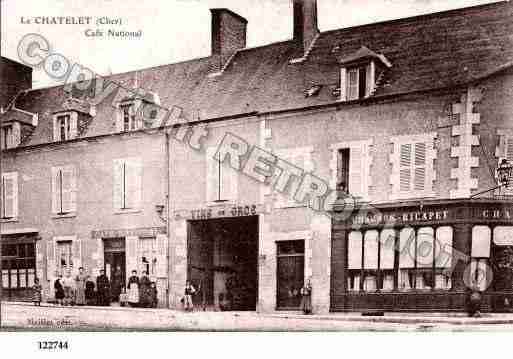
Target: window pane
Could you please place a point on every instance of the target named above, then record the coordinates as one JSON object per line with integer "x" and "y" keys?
{"x": 425, "y": 247}
{"x": 354, "y": 250}
{"x": 443, "y": 247}
{"x": 503, "y": 236}
{"x": 407, "y": 248}
{"x": 481, "y": 236}
{"x": 371, "y": 250}
{"x": 387, "y": 241}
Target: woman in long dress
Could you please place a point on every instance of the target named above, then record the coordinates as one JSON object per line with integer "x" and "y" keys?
{"x": 306, "y": 298}
{"x": 133, "y": 289}
{"x": 80, "y": 285}
{"x": 145, "y": 291}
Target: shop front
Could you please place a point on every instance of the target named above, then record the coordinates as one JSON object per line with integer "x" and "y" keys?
{"x": 422, "y": 256}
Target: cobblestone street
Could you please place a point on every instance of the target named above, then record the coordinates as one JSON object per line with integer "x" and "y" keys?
{"x": 27, "y": 317}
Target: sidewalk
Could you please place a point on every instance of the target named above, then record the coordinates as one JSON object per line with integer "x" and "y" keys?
{"x": 48, "y": 316}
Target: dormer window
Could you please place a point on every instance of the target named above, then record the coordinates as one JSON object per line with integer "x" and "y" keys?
{"x": 10, "y": 135}
{"x": 360, "y": 73}
{"x": 64, "y": 126}
{"x": 128, "y": 116}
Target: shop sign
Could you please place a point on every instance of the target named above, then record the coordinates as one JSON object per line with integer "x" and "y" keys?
{"x": 400, "y": 217}
{"x": 224, "y": 211}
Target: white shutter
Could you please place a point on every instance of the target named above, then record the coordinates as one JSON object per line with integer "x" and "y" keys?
{"x": 161, "y": 255}
{"x": 212, "y": 175}
{"x": 56, "y": 130}
{"x": 420, "y": 167}
{"x": 50, "y": 260}
{"x": 352, "y": 84}
{"x": 119, "y": 119}
{"x": 73, "y": 125}
{"x": 118, "y": 184}
{"x": 370, "y": 77}
{"x": 343, "y": 84}
{"x": 68, "y": 189}
{"x": 16, "y": 134}
{"x": 55, "y": 190}
{"x": 76, "y": 252}
{"x": 10, "y": 191}
{"x": 131, "y": 255}
{"x": 405, "y": 168}
{"x": 133, "y": 173}
{"x": 354, "y": 250}
{"x": 355, "y": 187}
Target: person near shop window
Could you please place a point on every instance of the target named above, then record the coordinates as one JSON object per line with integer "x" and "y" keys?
{"x": 103, "y": 288}
{"x": 37, "y": 292}
{"x": 59, "y": 290}
{"x": 133, "y": 289}
{"x": 80, "y": 287}
{"x": 189, "y": 292}
{"x": 306, "y": 298}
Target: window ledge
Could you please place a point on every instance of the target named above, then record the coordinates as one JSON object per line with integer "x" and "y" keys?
{"x": 126, "y": 211}
{"x": 66, "y": 215}
{"x": 8, "y": 220}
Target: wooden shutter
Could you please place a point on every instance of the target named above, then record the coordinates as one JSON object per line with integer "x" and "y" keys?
{"x": 343, "y": 84}
{"x": 56, "y": 130}
{"x": 68, "y": 189}
{"x": 133, "y": 173}
{"x": 118, "y": 184}
{"x": 420, "y": 167}
{"x": 16, "y": 135}
{"x": 10, "y": 193}
{"x": 76, "y": 252}
{"x": 405, "y": 168}
{"x": 73, "y": 125}
{"x": 355, "y": 186}
{"x": 56, "y": 190}
{"x": 161, "y": 255}
{"x": 131, "y": 255}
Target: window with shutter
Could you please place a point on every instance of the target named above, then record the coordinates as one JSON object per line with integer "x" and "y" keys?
{"x": 64, "y": 190}
{"x": 127, "y": 191}
{"x": 352, "y": 84}
{"x": 9, "y": 195}
{"x": 8, "y": 140}
{"x": 65, "y": 126}
{"x": 412, "y": 166}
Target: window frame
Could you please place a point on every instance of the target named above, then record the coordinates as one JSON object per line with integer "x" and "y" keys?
{"x": 13, "y": 176}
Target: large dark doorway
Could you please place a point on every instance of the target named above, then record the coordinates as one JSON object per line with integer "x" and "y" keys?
{"x": 222, "y": 258}
{"x": 290, "y": 274}
{"x": 115, "y": 265}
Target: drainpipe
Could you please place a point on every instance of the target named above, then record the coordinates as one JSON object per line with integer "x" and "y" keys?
{"x": 168, "y": 204}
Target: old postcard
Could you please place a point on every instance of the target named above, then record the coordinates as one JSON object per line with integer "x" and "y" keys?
{"x": 286, "y": 165}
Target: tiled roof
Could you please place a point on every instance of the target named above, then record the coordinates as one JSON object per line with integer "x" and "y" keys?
{"x": 429, "y": 51}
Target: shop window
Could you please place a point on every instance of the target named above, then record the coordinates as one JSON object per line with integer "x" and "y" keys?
{"x": 64, "y": 190}
{"x": 64, "y": 255}
{"x": 386, "y": 259}
{"x": 503, "y": 236}
{"x": 370, "y": 261}
{"x": 480, "y": 258}
{"x": 18, "y": 265}
{"x": 443, "y": 257}
{"x": 354, "y": 260}
{"x": 406, "y": 278}
{"x": 290, "y": 273}
{"x": 127, "y": 184}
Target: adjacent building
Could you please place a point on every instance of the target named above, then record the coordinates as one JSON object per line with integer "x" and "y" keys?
{"x": 228, "y": 176}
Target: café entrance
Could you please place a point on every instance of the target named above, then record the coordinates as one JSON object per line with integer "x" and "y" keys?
{"x": 115, "y": 264}
{"x": 222, "y": 263}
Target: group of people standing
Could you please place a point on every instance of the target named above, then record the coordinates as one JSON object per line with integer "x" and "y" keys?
{"x": 81, "y": 290}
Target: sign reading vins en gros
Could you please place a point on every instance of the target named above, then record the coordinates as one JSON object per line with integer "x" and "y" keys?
{"x": 225, "y": 211}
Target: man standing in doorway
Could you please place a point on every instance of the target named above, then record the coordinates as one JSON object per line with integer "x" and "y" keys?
{"x": 103, "y": 288}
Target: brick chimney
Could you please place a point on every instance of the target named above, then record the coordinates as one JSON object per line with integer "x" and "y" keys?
{"x": 305, "y": 22}
{"x": 228, "y": 35}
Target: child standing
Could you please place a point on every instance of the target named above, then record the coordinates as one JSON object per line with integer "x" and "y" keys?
{"x": 189, "y": 292}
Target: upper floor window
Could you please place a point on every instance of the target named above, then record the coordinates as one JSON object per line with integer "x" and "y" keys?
{"x": 358, "y": 85}
{"x": 128, "y": 116}
{"x": 64, "y": 189}
{"x": 412, "y": 166}
{"x": 127, "y": 184}
{"x": 10, "y": 135}
{"x": 65, "y": 126}
{"x": 9, "y": 195}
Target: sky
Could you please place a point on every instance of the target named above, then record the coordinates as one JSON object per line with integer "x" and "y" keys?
{"x": 178, "y": 30}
